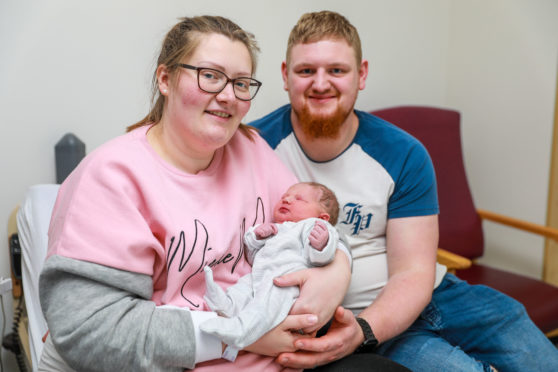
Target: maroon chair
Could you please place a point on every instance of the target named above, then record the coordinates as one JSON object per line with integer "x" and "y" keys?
{"x": 460, "y": 223}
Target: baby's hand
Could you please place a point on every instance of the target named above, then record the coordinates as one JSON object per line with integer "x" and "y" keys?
{"x": 265, "y": 230}
{"x": 319, "y": 235}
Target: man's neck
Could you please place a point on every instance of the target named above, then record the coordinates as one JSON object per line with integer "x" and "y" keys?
{"x": 324, "y": 149}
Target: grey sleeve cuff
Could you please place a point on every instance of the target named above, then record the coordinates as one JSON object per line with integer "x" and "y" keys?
{"x": 208, "y": 347}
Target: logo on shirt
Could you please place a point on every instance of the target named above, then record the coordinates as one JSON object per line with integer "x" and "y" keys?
{"x": 355, "y": 219}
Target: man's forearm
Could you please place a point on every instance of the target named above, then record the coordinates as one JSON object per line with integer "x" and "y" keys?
{"x": 399, "y": 304}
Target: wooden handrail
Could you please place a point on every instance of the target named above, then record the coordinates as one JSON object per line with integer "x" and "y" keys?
{"x": 545, "y": 231}
{"x": 452, "y": 261}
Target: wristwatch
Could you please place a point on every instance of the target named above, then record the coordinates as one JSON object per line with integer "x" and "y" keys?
{"x": 370, "y": 342}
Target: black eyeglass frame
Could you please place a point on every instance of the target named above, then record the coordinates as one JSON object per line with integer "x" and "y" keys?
{"x": 253, "y": 82}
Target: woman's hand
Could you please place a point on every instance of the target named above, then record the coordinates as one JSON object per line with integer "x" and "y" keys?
{"x": 322, "y": 289}
{"x": 342, "y": 339}
{"x": 283, "y": 337}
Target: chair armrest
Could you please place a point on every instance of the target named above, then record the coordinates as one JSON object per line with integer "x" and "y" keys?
{"x": 546, "y": 231}
{"x": 452, "y": 261}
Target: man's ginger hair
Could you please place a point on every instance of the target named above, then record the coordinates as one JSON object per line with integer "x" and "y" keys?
{"x": 316, "y": 26}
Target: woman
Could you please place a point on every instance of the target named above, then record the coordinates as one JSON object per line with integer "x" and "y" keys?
{"x": 133, "y": 226}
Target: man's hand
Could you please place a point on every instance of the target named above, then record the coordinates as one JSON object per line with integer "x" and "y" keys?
{"x": 283, "y": 337}
{"x": 265, "y": 230}
{"x": 342, "y": 339}
{"x": 322, "y": 289}
{"x": 319, "y": 235}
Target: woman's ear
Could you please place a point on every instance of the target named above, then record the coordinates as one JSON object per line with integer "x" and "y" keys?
{"x": 163, "y": 80}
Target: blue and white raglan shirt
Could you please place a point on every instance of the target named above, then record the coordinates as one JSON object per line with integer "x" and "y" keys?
{"x": 384, "y": 173}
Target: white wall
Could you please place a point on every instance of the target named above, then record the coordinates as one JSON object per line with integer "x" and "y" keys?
{"x": 85, "y": 67}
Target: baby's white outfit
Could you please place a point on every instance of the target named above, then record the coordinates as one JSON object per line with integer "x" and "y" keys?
{"x": 254, "y": 305}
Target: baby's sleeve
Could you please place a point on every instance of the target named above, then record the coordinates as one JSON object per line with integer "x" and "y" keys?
{"x": 326, "y": 255}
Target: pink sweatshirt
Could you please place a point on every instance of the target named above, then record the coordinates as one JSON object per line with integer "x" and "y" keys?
{"x": 126, "y": 208}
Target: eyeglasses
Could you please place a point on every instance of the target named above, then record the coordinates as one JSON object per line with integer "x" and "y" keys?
{"x": 214, "y": 81}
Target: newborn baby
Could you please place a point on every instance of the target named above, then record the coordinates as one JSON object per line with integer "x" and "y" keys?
{"x": 300, "y": 237}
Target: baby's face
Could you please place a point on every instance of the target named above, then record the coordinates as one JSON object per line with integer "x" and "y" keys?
{"x": 299, "y": 202}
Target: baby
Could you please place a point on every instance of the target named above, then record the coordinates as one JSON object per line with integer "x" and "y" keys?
{"x": 300, "y": 237}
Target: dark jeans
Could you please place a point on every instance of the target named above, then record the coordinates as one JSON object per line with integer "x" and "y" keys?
{"x": 469, "y": 328}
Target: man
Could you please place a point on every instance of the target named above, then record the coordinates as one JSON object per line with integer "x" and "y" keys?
{"x": 385, "y": 184}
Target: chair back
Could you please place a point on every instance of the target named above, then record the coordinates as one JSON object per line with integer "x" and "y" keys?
{"x": 439, "y": 131}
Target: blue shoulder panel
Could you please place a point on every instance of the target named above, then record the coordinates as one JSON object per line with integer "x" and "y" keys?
{"x": 407, "y": 162}
{"x": 275, "y": 126}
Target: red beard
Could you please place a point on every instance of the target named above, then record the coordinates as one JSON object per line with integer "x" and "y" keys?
{"x": 315, "y": 125}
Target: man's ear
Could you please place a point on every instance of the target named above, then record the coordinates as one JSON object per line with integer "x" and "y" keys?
{"x": 284, "y": 73}
{"x": 163, "y": 79}
{"x": 362, "y": 74}
{"x": 324, "y": 216}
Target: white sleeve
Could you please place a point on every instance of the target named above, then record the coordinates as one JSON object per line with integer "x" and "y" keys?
{"x": 326, "y": 255}
{"x": 252, "y": 244}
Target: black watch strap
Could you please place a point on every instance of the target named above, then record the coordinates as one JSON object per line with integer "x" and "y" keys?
{"x": 370, "y": 342}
